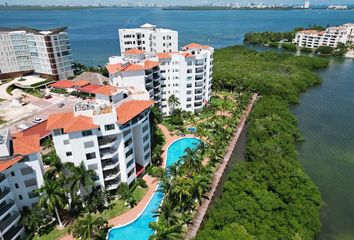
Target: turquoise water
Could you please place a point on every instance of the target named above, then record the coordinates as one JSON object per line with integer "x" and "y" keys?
{"x": 139, "y": 229}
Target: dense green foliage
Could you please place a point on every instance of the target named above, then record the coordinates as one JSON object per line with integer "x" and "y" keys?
{"x": 289, "y": 46}
{"x": 267, "y": 37}
{"x": 269, "y": 196}
{"x": 324, "y": 50}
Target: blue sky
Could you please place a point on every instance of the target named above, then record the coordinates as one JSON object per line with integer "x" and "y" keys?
{"x": 165, "y": 2}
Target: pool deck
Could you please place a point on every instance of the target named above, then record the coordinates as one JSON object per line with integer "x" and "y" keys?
{"x": 132, "y": 214}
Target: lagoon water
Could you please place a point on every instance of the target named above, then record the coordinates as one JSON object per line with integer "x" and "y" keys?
{"x": 325, "y": 114}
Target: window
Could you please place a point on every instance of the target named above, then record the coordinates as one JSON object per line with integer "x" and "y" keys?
{"x": 93, "y": 167}
{"x": 128, "y": 142}
{"x": 68, "y": 154}
{"x": 125, "y": 133}
{"x": 145, "y": 128}
{"x": 147, "y": 156}
{"x": 16, "y": 185}
{"x": 146, "y": 147}
{"x": 131, "y": 172}
{"x": 86, "y": 133}
{"x": 31, "y": 182}
{"x": 57, "y": 132}
{"x": 26, "y": 171}
{"x": 109, "y": 127}
{"x": 90, "y": 156}
{"x": 12, "y": 173}
{"x": 146, "y": 138}
{"x": 66, "y": 141}
{"x": 89, "y": 144}
{"x": 130, "y": 163}
{"x": 32, "y": 195}
{"x": 20, "y": 197}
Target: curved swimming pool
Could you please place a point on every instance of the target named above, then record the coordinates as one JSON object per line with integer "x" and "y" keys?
{"x": 139, "y": 229}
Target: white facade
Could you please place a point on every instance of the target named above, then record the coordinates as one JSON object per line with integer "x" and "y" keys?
{"x": 332, "y": 36}
{"x": 44, "y": 52}
{"x": 117, "y": 147}
{"x": 186, "y": 74}
{"x": 148, "y": 38}
{"x": 21, "y": 173}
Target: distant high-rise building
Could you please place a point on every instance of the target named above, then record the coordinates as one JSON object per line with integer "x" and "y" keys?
{"x": 148, "y": 38}
{"x": 24, "y": 50}
{"x": 307, "y": 4}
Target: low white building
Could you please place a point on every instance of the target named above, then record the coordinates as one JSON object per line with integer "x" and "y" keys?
{"x": 332, "y": 36}
{"x": 21, "y": 173}
{"x": 110, "y": 135}
{"x": 186, "y": 74}
{"x": 46, "y": 52}
{"x": 148, "y": 38}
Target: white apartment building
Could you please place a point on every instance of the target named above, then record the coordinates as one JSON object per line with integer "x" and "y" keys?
{"x": 21, "y": 172}
{"x": 46, "y": 52}
{"x": 185, "y": 74}
{"x": 332, "y": 36}
{"x": 148, "y": 38}
{"x": 133, "y": 69}
{"x": 110, "y": 135}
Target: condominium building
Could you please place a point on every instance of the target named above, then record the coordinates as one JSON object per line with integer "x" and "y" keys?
{"x": 148, "y": 38}
{"x": 21, "y": 172}
{"x": 186, "y": 74}
{"x": 332, "y": 36}
{"x": 110, "y": 135}
{"x": 25, "y": 50}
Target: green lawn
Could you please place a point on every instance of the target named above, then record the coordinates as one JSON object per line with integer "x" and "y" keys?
{"x": 119, "y": 207}
{"x": 54, "y": 234}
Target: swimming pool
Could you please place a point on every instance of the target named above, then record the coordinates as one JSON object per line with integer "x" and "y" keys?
{"x": 139, "y": 229}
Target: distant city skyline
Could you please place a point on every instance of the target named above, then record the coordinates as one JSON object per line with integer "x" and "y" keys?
{"x": 165, "y": 2}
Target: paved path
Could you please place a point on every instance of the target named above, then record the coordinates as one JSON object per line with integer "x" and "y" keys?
{"x": 202, "y": 210}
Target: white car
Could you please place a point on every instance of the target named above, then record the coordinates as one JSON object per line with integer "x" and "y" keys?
{"x": 37, "y": 120}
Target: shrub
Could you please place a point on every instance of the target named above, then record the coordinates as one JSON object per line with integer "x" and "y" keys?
{"x": 306, "y": 50}
{"x": 289, "y": 46}
{"x": 324, "y": 50}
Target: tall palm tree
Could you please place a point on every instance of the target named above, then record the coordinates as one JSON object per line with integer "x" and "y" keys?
{"x": 56, "y": 167}
{"x": 88, "y": 227}
{"x": 173, "y": 101}
{"x": 167, "y": 212}
{"x": 182, "y": 192}
{"x": 163, "y": 231}
{"x": 52, "y": 197}
{"x": 81, "y": 179}
{"x": 201, "y": 184}
{"x": 192, "y": 161}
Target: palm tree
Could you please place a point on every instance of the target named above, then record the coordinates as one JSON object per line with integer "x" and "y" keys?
{"x": 163, "y": 231}
{"x": 191, "y": 161}
{"x": 200, "y": 186}
{"x": 182, "y": 192}
{"x": 56, "y": 167}
{"x": 52, "y": 197}
{"x": 48, "y": 145}
{"x": 173, "y": 101}
{"x": 167, "y": 212}
{"x": 81, "y": 179}
{"x": 88, "y": 227}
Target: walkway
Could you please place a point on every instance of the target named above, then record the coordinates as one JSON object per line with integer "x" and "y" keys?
{"x": 202, "y": 210}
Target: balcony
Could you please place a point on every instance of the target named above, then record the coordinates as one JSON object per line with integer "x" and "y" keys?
{"x": 111, "y": 174}
{"x": 199, "y": 63}
{"x": 109, "y": 164}
{"x": 199, "y": 70}
{"x": 5, "y": 224}
{"x": 109, "y": 153}
{"x": 6, "y": 207}
{"x": 199, "y": 84}
{"x": 4, "y": 192}
{"x": 2, "y": 177}
{"x": 113, "y": 184}
{"x": 106, "y": 142}
{"x": 198, "y": 78}
{"x": 156, "y": 76}
{"x": 148, "y": 72}
{"x": 13, "y": 232}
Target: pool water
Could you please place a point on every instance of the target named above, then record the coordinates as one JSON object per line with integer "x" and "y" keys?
{"x": 139, "y": 229}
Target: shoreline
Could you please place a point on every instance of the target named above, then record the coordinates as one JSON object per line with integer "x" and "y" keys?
{"x": 203, "y": 208}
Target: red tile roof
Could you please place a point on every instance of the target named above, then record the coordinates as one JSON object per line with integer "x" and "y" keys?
{"x": 25, "y": 145}
{"x": 4, "y": 164}
{"x": 163, "y": 55}
{"x": 195, "y": 46}
{"x": 81, "y": 83}
{"x": 187, "y": 54}
{"x": 62, "y": 84}
{"x": 39, "y": 128}
{"x": 134, "y": 52}
{"x": 113, "y": 68}
{"x": 129, "y": 109}
{"x": 107, "y": 90}
{"x": 150, "y": 64}
{"x": 89, "y": 88}
{"x": 133, "y": 67}
{"x": 70, "y": 123}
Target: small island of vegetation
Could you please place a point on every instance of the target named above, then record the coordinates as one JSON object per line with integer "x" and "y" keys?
{"x": 268, "y": 196}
